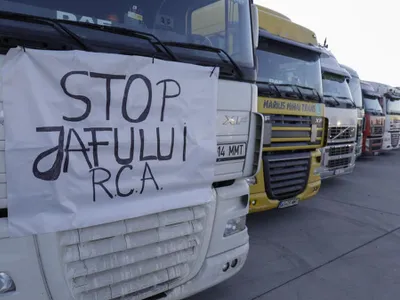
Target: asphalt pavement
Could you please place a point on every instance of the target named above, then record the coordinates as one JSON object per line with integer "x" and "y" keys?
{"x": 342, "y": 244}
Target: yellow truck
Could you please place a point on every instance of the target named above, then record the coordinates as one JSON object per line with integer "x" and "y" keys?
{"x": 290, "y": 98}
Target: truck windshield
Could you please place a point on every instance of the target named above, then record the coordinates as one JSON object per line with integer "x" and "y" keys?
{"x": 223, "y": 24}
{"x": 372, "y": 105}
{"x": 393, "y": 107}
{"x": 355, "y": 89}
{"x": 336, "y": 91}
{"x": 283, "y": 64}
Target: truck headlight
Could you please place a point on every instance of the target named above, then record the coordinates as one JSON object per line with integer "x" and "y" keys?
{"x": 251, "y": 180}
{"x": 6, "y": 283}
{"x": 235, "y": 225}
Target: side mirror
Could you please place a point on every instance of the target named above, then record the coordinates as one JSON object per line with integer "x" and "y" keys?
{"x": 255, "y": 25}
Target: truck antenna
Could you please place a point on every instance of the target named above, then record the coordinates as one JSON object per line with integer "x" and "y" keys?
{"x": 325, "y": 43}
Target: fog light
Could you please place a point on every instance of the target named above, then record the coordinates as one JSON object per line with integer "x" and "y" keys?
{"x": 317, "y": 171}
{"x": 6, "y": 283}
{"x": 251, "y": 180}
{"x": 225, "y": 267}
{"x": 235, "y": 225}
{"x": 253, "y": 202}
{"x": 234, "y": 263}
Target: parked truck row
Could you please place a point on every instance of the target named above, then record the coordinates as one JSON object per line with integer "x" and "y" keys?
{"x": 288, "y": 116}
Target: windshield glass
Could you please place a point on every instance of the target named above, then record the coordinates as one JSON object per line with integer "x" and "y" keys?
{"x": 224, "y": 24}
{"x": 336, "y": 90}
{"x": 282, "y": 63}
{"x": 393, "y": 107}
{"x": 372, "y": 104}
{"x": 355, "y": 89}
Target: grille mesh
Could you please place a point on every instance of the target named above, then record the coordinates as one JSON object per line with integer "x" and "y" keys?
{"x": 377, "y": 130}
{"x": 395, "y": 139}
{"x": 297, "y": 130}
{"x": 342, "y": 133}
{"x": 334, "y": 151}
{"x": 135, "y": 258}
{"x": 286, "y": 176}
{"x": 339, "y": 163}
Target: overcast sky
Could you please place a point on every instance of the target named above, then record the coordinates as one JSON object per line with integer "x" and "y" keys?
{"x": 361, "y": 34}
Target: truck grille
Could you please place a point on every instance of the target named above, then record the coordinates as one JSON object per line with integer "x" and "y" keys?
{"x": 342, "y": 133}
{"x": 294, "y": 130}
{"x": 334, "y": 151}
{"x": 394, "y": 125}
{"x": 286, "y": 175}
{"x": 376, "y": 144}
{"x": 342, "y": 150}
{"x": 339, "y": 163}
{"x": 377, "y": 130}
{"x": 395, "y": 139}
{"x": 135, "y": 258}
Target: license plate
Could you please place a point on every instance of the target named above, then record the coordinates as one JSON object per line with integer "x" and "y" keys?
{"x": 339, "y": 171}
{"x": 288, "y": 203}
{"x": 231, "y": 151}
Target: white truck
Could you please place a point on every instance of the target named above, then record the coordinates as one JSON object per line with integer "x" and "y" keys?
{"x": 355, "y": 88}
{"x": 338, "y": 157}
{"x": 176, "y": 253}
{"x": 390, "y": 102}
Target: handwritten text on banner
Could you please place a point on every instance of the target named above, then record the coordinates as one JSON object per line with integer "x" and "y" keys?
{"x": 93, "y": 138}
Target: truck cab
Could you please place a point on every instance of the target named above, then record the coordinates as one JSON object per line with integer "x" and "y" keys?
{"x": 290, "y": 99}
{"x": 338, "y": 157}
{"x": 374, "y": 127}
{"x": 355, "y": 88}
{"x": 389, "y": 100}
{"x": 175, "y": 253}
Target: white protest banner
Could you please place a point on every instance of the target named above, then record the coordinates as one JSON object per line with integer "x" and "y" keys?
{"x": 93, "y": 138}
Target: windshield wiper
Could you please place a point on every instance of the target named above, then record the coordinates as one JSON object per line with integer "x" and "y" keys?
{"x": 61, "y": 28}
{"x": 210, "y": 49}
{"x": 47, "y": 21}
{"x": 273, "y": 92}
{"x": 298, "y": 86}
{"x": 347, "y": 98}
{"x": 374, "y": 111}
{"x": 333, "y": 97}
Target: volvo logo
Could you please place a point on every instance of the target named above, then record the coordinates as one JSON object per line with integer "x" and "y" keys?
{"x": 340, "y": 133}
{"x": 234, "y": 120}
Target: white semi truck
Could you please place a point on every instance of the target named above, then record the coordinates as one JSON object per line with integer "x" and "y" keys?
{"x": 390, "y": 102}
{"x": 338, "y": 157}
{"x": 355, "y": 88}
{"x": 177, "y": 253}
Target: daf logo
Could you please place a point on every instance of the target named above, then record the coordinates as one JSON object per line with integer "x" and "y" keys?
{"x": 234, "y": 120}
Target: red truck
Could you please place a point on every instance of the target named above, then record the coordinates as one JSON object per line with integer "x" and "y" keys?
{"x": 374, "y": 122}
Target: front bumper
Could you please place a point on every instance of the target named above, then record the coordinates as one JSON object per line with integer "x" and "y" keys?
{"x": 259, "y": 200}
{"x": 326, "y": 173}
{"x": 337, "y": 165}
{"x": 212, "y": 273}
{"x": 388, "y": 143}
{"x": 372, "y": 145}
